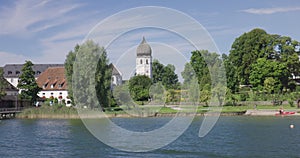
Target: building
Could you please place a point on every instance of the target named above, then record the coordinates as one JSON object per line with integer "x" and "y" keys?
{"x": 144, "y": 59}
{"x": 11, "y": 94}
{"x": 116, "y": 78}
{"x": 53, "y": 83}
{"x": 11, "y": 72}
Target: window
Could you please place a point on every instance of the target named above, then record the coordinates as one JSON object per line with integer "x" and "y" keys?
{"x": 11, "y": 80}
{"x": 52, "y": 86}
{"x": 17, "y": 72}
{"x": 141, "y": 61}
{"x": 61, "y": 85}
{"x": 147, "y": 61}
{"x": 38, "y": 72}
{"x": 60, "y": 93}
{"x": 51, "y": 94}
{"x": 45, "y": 85}
{"x": 44, "y": 94}
{"x": 9, "y": 72}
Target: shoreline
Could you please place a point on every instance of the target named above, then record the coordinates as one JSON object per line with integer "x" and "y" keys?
{"x": 116, "y": 115}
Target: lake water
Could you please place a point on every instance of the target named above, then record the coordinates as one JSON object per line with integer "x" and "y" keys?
{"x": 231, "y": 137}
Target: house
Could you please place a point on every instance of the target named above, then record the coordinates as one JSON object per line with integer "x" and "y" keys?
{"x": 11, "y": 72}
{"x": 116, "y": 78}
{"x": 11, "y": 97}
{"x": 53, "y": 83}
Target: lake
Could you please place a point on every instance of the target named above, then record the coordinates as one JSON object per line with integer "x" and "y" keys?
{"x": 236, "y": 136}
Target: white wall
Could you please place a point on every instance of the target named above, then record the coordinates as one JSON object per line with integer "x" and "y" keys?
{"x": 144, "y": 68}
{"x": 13, "y": 81}
{"x": 55, "y": 94}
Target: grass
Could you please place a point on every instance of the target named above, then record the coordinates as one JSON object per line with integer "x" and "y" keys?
{"x": 48, "y": 110}
{"x": 59, "y": 111}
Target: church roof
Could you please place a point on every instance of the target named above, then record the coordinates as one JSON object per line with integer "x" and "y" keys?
{"x": 143, "y": 49}
{"x": 115, "y": 71}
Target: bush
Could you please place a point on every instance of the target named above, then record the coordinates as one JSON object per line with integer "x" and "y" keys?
{"x": 291, "y": 102}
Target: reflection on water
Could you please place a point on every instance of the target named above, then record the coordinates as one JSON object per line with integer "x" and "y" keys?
{"x": 231, "y": 137}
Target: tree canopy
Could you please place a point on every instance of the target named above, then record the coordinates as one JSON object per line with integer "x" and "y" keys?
{"x": 139, "y": 87}
{"x": 91, "y": 61}
{"x": 27, "y": 83}
{"x": 257, "y": 51}
{"x": 2, "y": 84}
{"x": 69, "y": 69}
{"x": 164, "y": 74}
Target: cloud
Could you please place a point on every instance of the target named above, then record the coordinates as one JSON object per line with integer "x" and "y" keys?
{"x": 270, "y": 10}
{"x": 25, "y": 17}
{"x": 7, "y": 58}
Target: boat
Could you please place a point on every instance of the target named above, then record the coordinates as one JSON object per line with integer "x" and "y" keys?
{"x": 286, "y": 113}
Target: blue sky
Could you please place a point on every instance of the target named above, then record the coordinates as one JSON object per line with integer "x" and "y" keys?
{"x": 45, "y": 31}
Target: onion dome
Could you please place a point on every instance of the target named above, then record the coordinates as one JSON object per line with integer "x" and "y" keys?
{"x": 143, "y": 49}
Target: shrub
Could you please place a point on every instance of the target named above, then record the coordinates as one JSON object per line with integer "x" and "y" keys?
{"x": 291, "y": 102}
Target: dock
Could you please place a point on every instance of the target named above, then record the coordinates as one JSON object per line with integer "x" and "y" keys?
{"x": 8, "y": 113}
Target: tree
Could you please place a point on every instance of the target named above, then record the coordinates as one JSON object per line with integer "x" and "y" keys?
{"x": 188, "y": 74}
{"x": 245, "y": 50}
{"x": 2, "y": 84}
{"x": 103, "y": 81}
{"x": 204, "y": 64}
{"x": 121, "y": 94}
{"x": 164, "y": 74}
{"x": 69, "y": 69}
{"x": 170, "y": 79}
{"x": 263, "y": 69}
{"x": 269, "y": 84}
{"x": 27, "y": 83}
{"x": 201, "y": 68}
{"x": 231, "y": 75}
{"x": 157, "y": 71}
{"x": 139, "y": 87}
{"x": 91, "y": 76}
{"x": 257, "y": 43}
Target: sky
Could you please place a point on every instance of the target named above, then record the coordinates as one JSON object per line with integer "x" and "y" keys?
{"x": 45, "y": 31}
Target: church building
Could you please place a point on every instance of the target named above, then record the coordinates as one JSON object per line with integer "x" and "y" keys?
{"x": 144, "y": 59}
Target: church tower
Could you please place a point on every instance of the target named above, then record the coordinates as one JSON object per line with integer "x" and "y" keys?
{"x": 144, "y": 59}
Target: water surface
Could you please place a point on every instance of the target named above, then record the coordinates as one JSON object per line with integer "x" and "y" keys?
{"x": 231, "y": 137}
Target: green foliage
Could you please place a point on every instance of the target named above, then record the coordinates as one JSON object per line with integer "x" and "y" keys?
{"x": 27, "y": 83}
{"x": 205, "y": 94}
{"x": 256, "y": 55}
{"x": 164, "y": 74}
{"x": 199, "y": 61}
{"x": 92, "y": 80}
{"x": 103, "y": 81}
{"x": 245, "y": 50}
{"x": 269, "y": 84}
{"x": 172, "y": 96}
{"x": 231, "y": 75}
{"x": 69, "y": 69}
{"x": 2, "y": 84}
{"x": 291, "y": 102}
{"x": 266, "y": 71}
{"x": 139, "y": 87}
{"x": 188, "y": 74}
{"x": 121, "y": 94}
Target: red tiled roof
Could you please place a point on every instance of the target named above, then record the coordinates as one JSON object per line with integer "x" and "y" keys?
{"x": 53, "y": 76}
